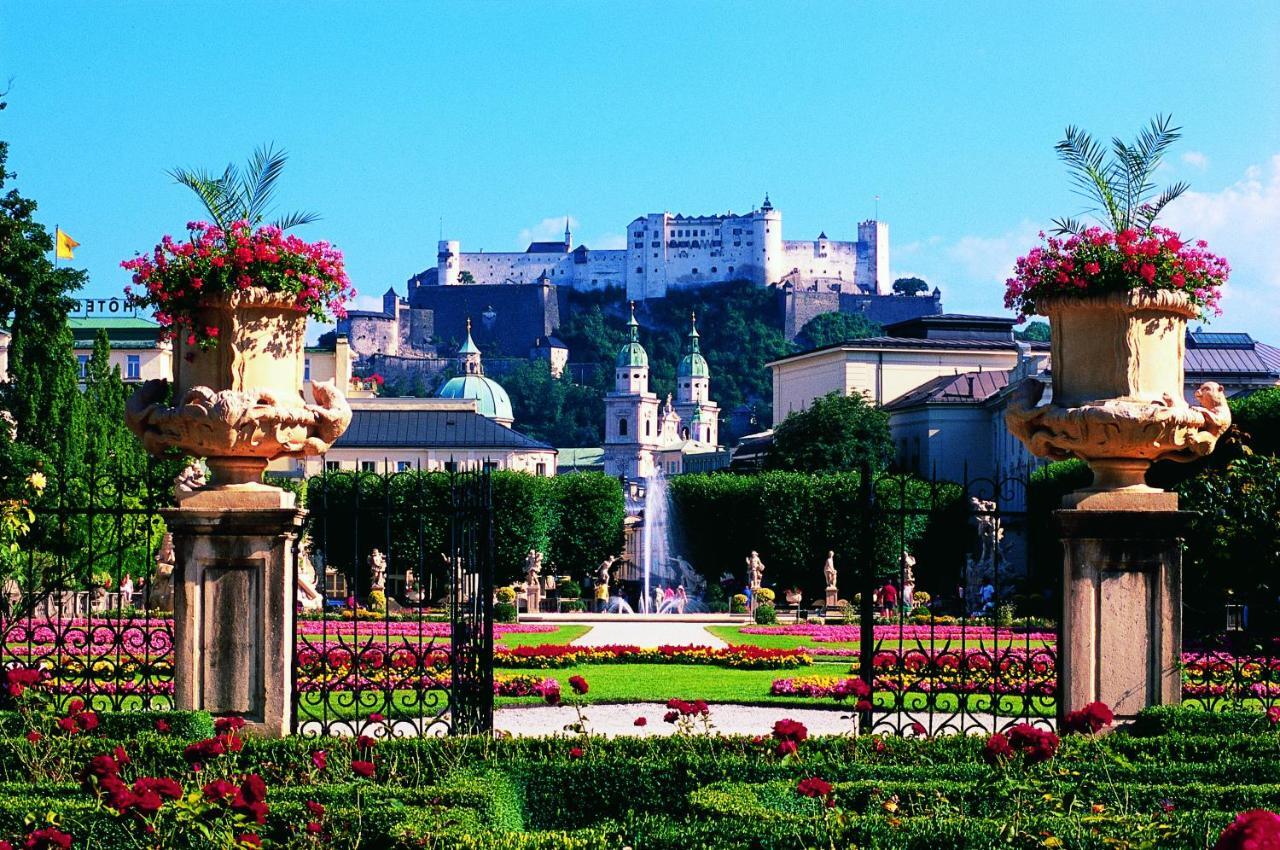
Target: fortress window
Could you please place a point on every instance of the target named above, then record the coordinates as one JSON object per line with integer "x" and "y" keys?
{"x": 695, "y": 269}
{"x": 730, "y": 269}
{"x": 648, "y": 427}
{"x": 622, "y": 427}
{"x": 639, "y": 269}
{"x": 713, "y": 269}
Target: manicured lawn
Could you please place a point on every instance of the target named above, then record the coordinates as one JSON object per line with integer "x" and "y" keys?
{"x": 561, "y": 636}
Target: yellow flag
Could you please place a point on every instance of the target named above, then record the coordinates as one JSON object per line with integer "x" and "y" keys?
{"x": 66, "y": 245}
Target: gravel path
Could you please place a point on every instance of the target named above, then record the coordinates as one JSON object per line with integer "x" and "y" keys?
{"x": 647, "y": 634}
{"x": 614, "y": 720}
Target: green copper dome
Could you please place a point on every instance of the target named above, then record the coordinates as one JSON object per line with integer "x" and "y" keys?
{"x": 490, "y": 398}
{"x": 694, "y": 365}
{"x": 632, "y": 354}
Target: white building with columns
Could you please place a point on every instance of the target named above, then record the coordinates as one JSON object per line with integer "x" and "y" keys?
{"x": 666, "y": 251}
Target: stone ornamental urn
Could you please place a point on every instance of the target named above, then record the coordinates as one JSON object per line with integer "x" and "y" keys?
{"x": 239, "y": 404}
{"x": 1118, "y": 391}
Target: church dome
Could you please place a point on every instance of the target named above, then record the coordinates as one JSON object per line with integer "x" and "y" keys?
{"x": 693, "y": 365}
{"x": 490, "y": 398}
{"x": 632, "y": 353}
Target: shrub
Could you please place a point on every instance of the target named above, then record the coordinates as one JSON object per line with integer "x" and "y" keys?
{"x": 738, "y": 604}
{"x": 378, "y": 601}
{"x": 570, "y": 589}
{"x": 506, "y": 595}
{"x": 764, "y": 594}
{"x": 505, "y": 612}
{"x": 766, "y": 615}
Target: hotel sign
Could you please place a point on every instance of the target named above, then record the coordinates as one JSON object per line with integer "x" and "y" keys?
{"x": 102, "y": 307}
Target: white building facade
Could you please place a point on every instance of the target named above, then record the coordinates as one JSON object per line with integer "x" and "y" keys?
{"x": 666, "y": 251}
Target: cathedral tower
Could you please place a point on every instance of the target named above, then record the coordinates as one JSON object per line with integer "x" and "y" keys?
{"x": 631, "y": 429}
{"x": 693, "y": 392}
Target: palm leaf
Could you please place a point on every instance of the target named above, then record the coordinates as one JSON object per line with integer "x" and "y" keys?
{"x": 1095, "y": 180}
{"x": 259, "y": 185}
{"x": 1149, "y": 212}
{"x": 294, "y": 219}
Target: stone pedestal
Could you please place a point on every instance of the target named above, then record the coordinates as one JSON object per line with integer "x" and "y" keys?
{"x": 533, "y": 597}
{"x": 1122, "y": 603}
{"x": 234, "y": 605}
{"x": 833, "y": 597}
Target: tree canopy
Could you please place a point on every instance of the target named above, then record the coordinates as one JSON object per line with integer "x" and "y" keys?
{"x": 1036, "y": 331}
{"x": 834, "y": 328}
{"x": 836, "y": 434}
{"x": 910, "y": 286}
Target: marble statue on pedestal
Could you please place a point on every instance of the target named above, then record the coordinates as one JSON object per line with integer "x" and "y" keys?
{"x": 377, "y": 571}
{"x": 309, "y": 596}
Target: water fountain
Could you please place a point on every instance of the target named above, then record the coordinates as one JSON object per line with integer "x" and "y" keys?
{"x": 653, "y": 553}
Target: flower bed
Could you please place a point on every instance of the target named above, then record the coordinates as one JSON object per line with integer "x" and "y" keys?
{"x": 853, "y": 634}
{"x": 550, "y": 656}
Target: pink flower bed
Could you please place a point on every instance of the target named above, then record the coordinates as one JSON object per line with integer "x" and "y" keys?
{"x": 912, "y": 631}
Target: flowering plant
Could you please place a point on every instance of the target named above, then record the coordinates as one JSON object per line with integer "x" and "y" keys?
{"x": 178, "y": 276}
{"x": 1097, "y": 261}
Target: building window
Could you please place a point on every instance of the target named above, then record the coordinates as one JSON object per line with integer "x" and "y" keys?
{"x": 648, "y": 427}
{"x": 133, "y": 367}
{"x": 332, "y": 466}
{"x": 450, "y": 466}
{"x": 306, "y": 369}
{"x": 714, "y": 269}
{"x": 622, "y": 427}
{"x": 490, "y": 465}
{"x": 368, "y": 466}
{"x": 541, "y": 470}
{"x": 83, "y": 360}
{"x": 639, "y": 269}
{"x": 403, "y": 466}
{"x": 695, "y": 269}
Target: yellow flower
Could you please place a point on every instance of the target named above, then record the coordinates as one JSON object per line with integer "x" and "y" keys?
{"x": 37, "y": 481}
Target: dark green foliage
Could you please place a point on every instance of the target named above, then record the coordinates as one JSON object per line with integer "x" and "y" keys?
{"x": 576, "y": 519}
{"x": 834, "y": 328}
{"x": 505, "y": 612}
{"x": 1233, "y": 544}
{"x": 910, "y": 286}
{"x": 554, "y": 410}
{"x": 1035, "y": 331}
{"x": 740, "y": 325}
{"x": 590, "y": 512}
{"x": 837, "y": 433}
{"x": 766, "y": 615}
{"x": 1258, "y": 416}
{"x": 793, "y": 519}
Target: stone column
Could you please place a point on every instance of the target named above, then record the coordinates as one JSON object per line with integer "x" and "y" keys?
{"x": 234, "y": 605}
{"x": 1122, "y": 603}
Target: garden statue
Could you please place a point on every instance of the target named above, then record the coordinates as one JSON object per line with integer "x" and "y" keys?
{"x": 161, "y": 598}
{"x": 605, "y": 566}
{"x": 755, "y": 570}
{"x": 829, "y": 573}
{"x": 309, "y": 596}
{"x": 990, "y": 534}
{"x": 190, "y": 479}
{"x": 532, "y": 585}
{"x": 908, "y": 582}
{"x": 377, "y": 571}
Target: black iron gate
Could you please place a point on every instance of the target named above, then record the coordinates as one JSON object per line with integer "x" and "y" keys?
{"x": 395, "y": 589}
{"x": 979, "y": 651}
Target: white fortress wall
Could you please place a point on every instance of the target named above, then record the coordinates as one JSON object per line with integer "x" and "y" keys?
{"x": 821, "y": 259}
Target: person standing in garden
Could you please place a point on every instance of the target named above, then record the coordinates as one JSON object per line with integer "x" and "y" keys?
{"x": 888, "y": 598}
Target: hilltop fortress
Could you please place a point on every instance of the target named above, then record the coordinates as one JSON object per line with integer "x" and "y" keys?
{"x": 517, "y": 298}
{"x": 666, "y": 251}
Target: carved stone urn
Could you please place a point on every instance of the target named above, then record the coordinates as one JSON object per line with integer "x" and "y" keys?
{"x": 1118, "y": 390}
{"x": 239, "y": 404}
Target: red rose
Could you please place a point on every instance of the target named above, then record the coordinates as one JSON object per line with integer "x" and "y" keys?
{"x": 790, "y": 730}
{"x": 162, "y": 726}
{"x": 813, "y": 787}
{"x": 228, "y": 724}
{"x": 33, "y": 736}
{"x": 49, "y": 838}
{"x": 319, "y": 759}
{"x": 218, "y": 790}
{"x": 642, "y": 721}
{"x": 575, "y": 753}
{"x": 1258, "y": 829}
{"x": 786, "y": 748}
{"x": 1089, "y": 720}
{"x": 997, "y": 749}
{"x": 362, "y": 768}
{"x": 578, "y": 684}
{"x": 316, "y": 809}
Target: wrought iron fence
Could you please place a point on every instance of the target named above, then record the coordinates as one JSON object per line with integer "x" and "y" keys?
{"x": 387, "y": 613}
{"x": 976, "y": 656}
{"x": 87, "y": 591}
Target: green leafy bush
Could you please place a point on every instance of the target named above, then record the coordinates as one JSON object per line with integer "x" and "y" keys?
{"x": 505, "y": 612}
{"x": 766, "y": 615}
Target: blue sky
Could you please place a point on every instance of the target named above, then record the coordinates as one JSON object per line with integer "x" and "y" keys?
{"x": 502, "y": 118}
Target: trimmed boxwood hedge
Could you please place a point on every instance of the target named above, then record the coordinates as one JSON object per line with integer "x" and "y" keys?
{"x": 1174, "y": 780}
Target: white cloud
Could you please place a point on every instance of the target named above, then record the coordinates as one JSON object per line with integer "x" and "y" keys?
{"x": 990, "y": 259}
{"x": 1240, "y": 223}
{"x": 548, "y": 230}
{"x": 1196, "y": 159}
